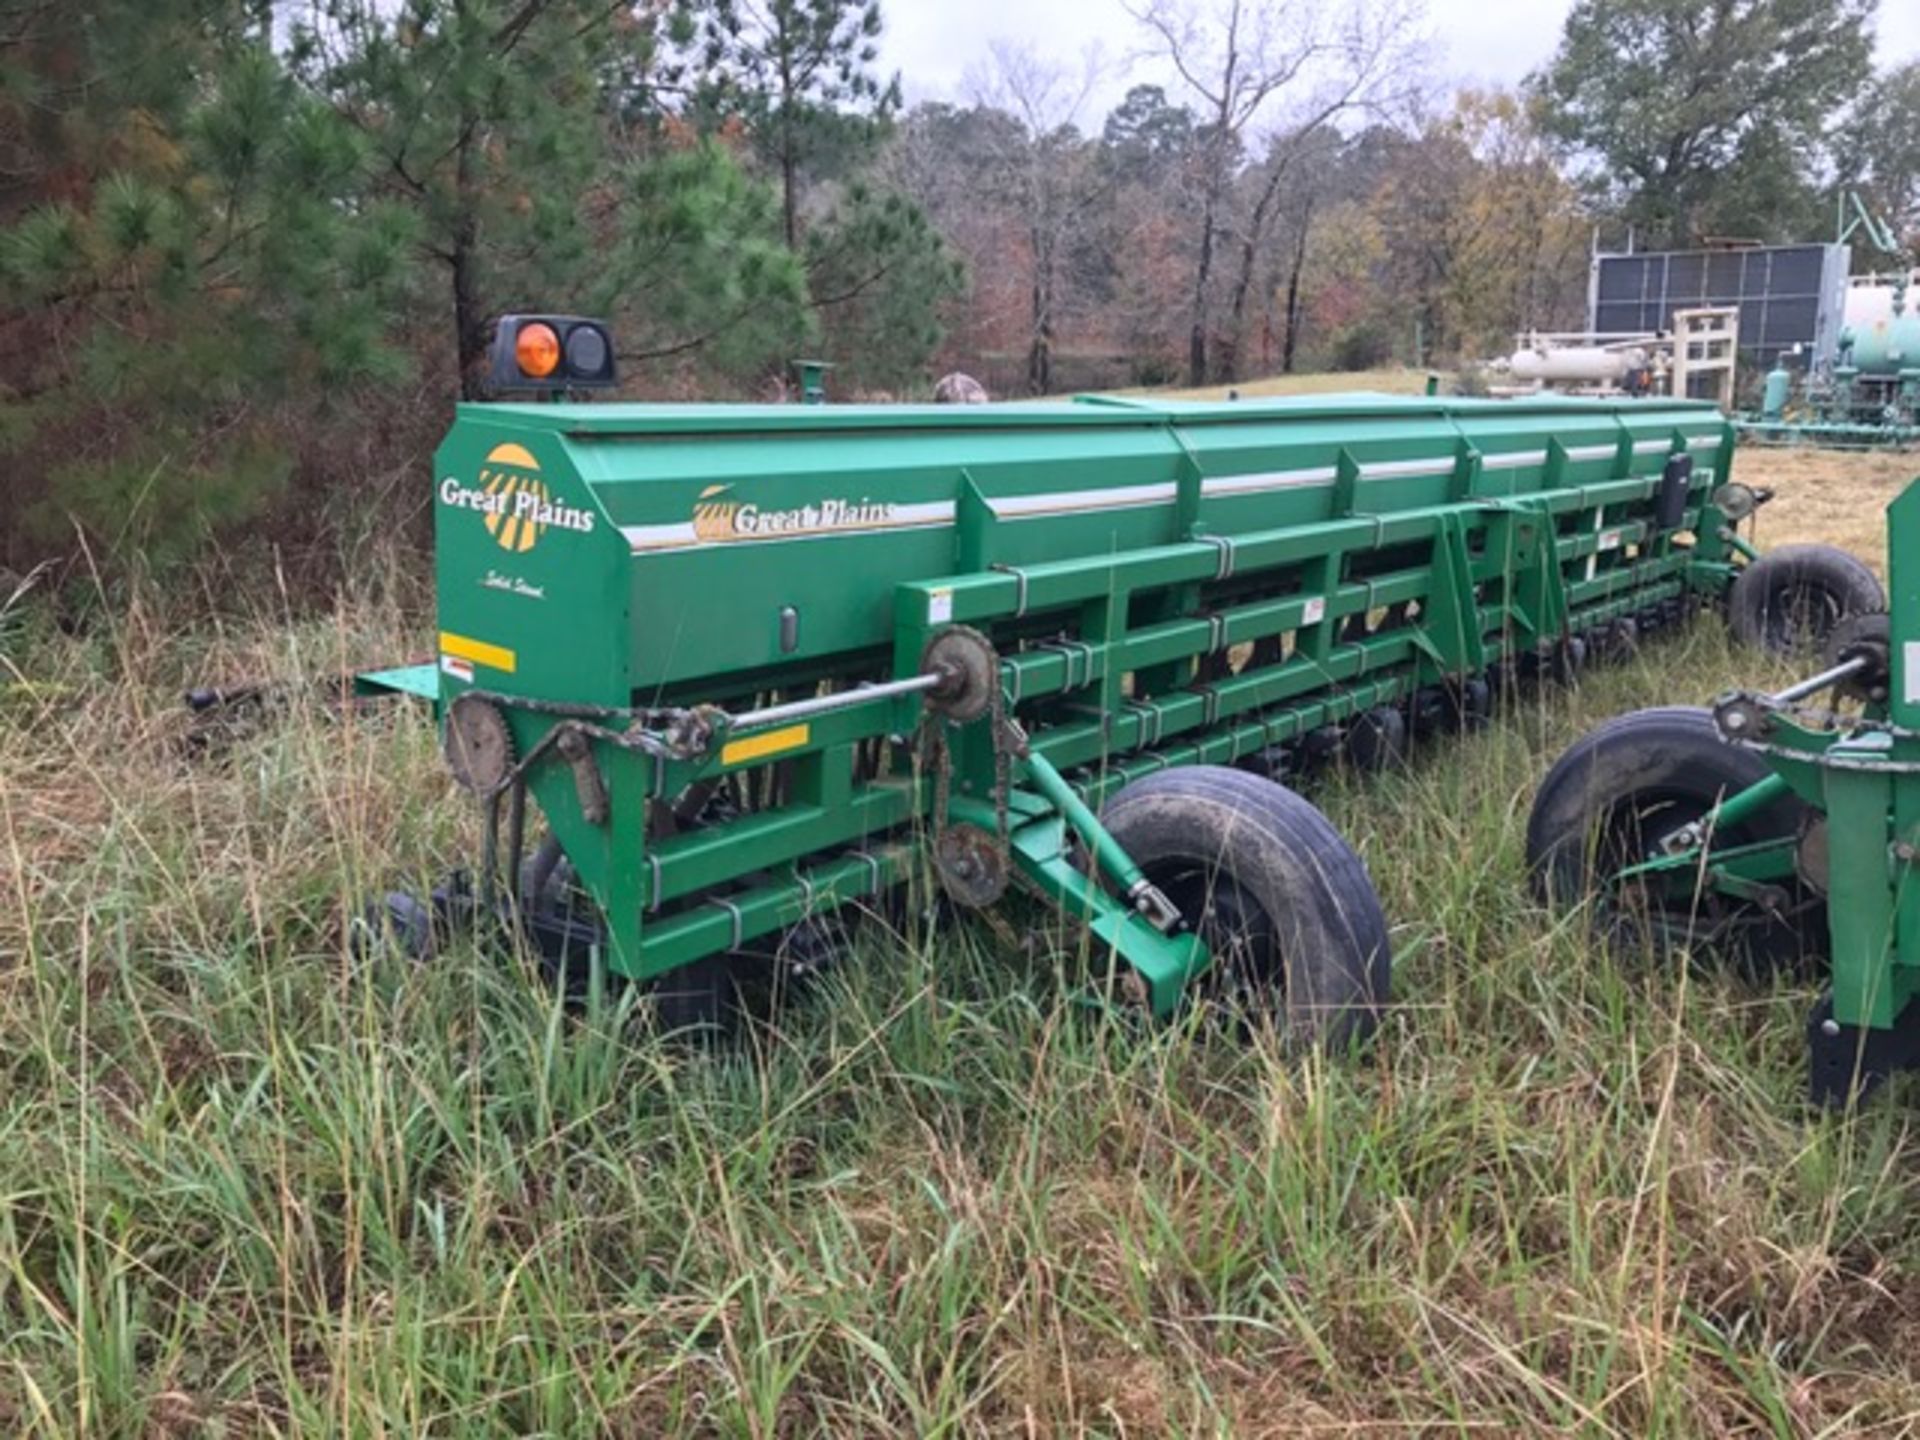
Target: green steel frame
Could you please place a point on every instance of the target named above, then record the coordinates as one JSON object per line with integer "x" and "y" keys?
{"x": 645, "y": 592}
{"x": 1861, "y": 773}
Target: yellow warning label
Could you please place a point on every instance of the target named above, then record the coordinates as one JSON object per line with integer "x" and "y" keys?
{"x": 478, "y": 651}
{"x": 758, "y": 747}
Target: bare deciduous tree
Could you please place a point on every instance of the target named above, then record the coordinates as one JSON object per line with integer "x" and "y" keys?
{"x": 1240, "y": 58}
{"x": 1046, "y": 170}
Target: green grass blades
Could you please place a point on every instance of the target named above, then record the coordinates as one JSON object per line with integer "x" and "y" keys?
{"x": 251, "y": 1184}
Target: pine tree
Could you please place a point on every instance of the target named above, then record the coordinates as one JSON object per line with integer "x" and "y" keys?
{"x": 528, "y": 139}
{"x": 881, "y": 275}
{"x": 800, "y": 74}
{"x": 796, "y": 77}
{"x": 483, "y": 118}
{"x": 185, "y": 267}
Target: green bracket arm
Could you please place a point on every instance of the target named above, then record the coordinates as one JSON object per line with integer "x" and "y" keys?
{"x": 1188, "y": 478}
{"x": 1540, "y": 589}
{"x": 1125, "y": 922}
{"x": 1451, "y": 632}
{"x": 974, "y": 526}
{"x": 1346, "y": 484}
{"x": 1468, "y": 468}
{"x": 1164, "y": 963}
{"x": 1730, "y": 812}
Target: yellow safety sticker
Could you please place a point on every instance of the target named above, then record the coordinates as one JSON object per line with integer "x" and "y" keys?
{"x": 771, "y": 742}
{"x": 497, "y": 657}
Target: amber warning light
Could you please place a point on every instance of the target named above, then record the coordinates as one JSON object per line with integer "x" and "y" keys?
{"x": 550, "y": 354}
{"x": 537, "y": 349}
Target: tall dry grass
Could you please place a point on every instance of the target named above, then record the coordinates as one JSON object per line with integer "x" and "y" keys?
{"x": 251, "y": 1184}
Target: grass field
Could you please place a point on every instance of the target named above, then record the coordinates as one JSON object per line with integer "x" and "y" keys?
{"x": 252, "y": 1185}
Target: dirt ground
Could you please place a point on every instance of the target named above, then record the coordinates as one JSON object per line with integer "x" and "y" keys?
{"x": 1836, "y": 496}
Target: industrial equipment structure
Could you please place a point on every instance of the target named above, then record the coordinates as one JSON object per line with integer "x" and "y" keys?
{"x": 1844, "y": 355}
{"x": 1791, "y": 298}
{"x": 1870, "y": 394}
{"x": 717, "y": 674}
{"x": 1696, "y": 359}
{"x": 1577, "y": 362}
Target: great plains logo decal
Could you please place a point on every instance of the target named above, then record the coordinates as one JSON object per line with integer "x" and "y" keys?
{"x": 718, "y": 518}
{"x": 513, "y": 500}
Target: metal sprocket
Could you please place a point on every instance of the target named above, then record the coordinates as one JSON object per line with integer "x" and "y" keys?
{"x": 969, "y": 669}
{"x": 479, "y": 744}
{"x": 972, "y": 865}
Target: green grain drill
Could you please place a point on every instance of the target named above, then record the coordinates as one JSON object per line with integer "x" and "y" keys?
{"x": 719, "y": 674}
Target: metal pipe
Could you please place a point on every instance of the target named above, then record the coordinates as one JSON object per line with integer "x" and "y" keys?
{"x": 1729, "y": 812}
{"x": 1757, "y": 796}
{"x": 1814, "y": 684}
{"x": 839, "y": 700}
{"x": 1142, "y": 894}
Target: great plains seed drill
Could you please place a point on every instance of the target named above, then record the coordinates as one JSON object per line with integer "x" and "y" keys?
{"x": 753, "y": 666}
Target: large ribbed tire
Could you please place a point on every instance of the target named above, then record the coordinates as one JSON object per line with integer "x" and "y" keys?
{"x": 1284, "y": 903}
{"x": 1610, "y": 799}
{"x": 1792, "y": 597}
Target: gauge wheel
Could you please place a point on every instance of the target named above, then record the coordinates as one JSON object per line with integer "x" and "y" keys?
{"x": 713, "y": 994}
{"x": 1285, "y": 906}
{"x": 1792, "y": 598}
{"x": 1377, "y": 739}
{"x": 1611, "y": 799}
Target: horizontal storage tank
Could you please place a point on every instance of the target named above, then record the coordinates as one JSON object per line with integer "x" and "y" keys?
{"x": 1575, "y": 364}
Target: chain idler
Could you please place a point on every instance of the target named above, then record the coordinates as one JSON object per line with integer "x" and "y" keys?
{"x": 972, "y": 864}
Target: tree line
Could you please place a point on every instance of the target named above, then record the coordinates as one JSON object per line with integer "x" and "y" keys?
{"x": 251, "y": 251}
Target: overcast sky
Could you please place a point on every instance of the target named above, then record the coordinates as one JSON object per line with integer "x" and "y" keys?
{"x": 934, "y": 42}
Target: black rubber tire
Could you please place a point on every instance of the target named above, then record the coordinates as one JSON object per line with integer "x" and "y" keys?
{"x": 1792, "y": 597}
{"x": 1869, "y": 638}
{"x": 397, "y": 923}
{"x": 1622, "y": 640}
{"x": 1377, "y": 739}
{"x": 1654, "y": 770}
{"x": 1568, "y": 659}
{"x": 1283, "y": 901}
{"x": 711, "y": 995}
